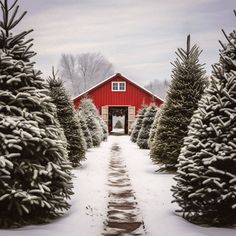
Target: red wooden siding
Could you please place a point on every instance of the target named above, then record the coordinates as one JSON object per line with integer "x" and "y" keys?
{"x": 134, "y": 95}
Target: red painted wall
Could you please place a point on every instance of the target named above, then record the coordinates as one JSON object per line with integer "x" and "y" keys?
{"x": 133, "y": 96}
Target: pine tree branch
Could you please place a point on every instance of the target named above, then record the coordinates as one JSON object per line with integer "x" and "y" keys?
{"x": 18, "y": 20}
{"x": 188, "y": 45}
{"x": 27, "y": 50}
{"x": 222, "y": 45}
{"x": 13, "y": 17}
{"x": 226, "y": 36}
{"x": 13, "y": 5}
{"x": 20, "y": 36}
{"x": 26, "y": 42}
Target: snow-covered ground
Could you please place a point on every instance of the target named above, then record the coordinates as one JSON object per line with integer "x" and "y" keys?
{"x": 89, "y": 204}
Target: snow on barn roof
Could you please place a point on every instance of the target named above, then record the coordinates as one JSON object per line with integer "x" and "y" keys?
{"x": 110, "y": 78}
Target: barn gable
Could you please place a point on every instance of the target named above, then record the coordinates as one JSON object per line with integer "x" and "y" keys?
{"x": 118, "y": 94}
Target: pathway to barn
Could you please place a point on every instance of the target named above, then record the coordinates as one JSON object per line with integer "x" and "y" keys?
{"x": 123, "y": 216}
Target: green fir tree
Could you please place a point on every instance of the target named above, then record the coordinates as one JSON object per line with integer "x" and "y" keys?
{"x": 206, "y": 179}
{"x": 138, "y": 124}
{"x": 87, "y": 135}
{"x": 68, "y": 120}
{"x": 35, "y": 174}
{"x": 153, "y": 128}
{"x": 118, "y": 125}
{"x": 147, "y": 122}
{"x": 187, "y": 85}
{"x": 93, "y": 121}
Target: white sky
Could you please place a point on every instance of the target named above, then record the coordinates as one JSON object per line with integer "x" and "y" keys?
{"x": 138, "y": 36}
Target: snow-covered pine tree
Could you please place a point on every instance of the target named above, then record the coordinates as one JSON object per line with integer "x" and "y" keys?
{"x": 84, "y": 127}
{"x": 68, "y": 121}
{"x": 104, "y": 128}
{"x": 35, "y": 174}
{"x": 138, "y": 124}
{"x": 132, "y": 126}
{"x": 187, "y": 85}
{"x": 206, "y": 176}
{"x": 153, "y": 128}
{"x": 92, "y": 120}
{"x": 147, "y": 122}
{"x": 118, "y": 125}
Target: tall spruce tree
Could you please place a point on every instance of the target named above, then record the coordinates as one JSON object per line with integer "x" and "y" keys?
{"x": 68, "y": 121}
{"x": 93, "y": 121}
{"x": 147, "y": 122}
{"x": 187, "y": 85}
{"x": 35, "y": 174}
{"x": 206, "y": 177}
{"x": 138, "y": 124}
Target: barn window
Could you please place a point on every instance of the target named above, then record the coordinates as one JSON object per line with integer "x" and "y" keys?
{"x": 118, "y": 86}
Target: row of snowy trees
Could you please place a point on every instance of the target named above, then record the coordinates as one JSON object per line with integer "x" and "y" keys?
{"x": 206, "y": 177}
{"x": 195, "y": 134}
{"x": 142, "y": 129}
{"x": 40, "y": 134}
{"x": 83, "y": 128}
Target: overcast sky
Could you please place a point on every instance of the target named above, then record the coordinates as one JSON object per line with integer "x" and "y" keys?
{"x": 138, "y": 36}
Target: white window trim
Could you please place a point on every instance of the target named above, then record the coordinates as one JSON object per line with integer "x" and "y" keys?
{"x": 118, "y": 83}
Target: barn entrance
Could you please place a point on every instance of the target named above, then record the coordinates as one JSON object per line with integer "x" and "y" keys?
{"x": 118, "y": 117}
{"x": 118, "y": 120}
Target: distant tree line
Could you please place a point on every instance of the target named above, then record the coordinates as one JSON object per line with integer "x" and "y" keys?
{"x": 82, "y": 71}
{"x": 158, "y": 87}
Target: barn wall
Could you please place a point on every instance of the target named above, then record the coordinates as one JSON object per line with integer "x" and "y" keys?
{"x": 133, "y": 96}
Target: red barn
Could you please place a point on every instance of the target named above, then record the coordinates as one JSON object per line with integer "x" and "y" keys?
{"x": 118, "y": 96}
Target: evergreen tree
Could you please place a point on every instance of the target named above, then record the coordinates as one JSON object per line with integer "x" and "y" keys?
{"x": 118, "y": 125}
{"x": 104, "y": 128}
{"x": 92, "y": 120}
{"x": 206, "y": 179}
{"x": 132, "y": 127}
{"x": 153, "y": 128}
{"x": 187, "y": 85}
{"x": 138, "y": 124}
{"x": 35, "y": 174}
{"x": 84, "y": 127}
{"x": 68, "y": 121}
{"x": 147, "y": 122}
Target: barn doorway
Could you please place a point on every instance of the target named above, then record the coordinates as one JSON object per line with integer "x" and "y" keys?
{"x": 118, "y": 120}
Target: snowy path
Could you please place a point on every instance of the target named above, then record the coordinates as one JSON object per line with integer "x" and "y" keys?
{"x": 89, "y": 203}
{"x": 123, "y": 215}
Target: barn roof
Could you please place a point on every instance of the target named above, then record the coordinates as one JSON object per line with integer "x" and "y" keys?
{"x": 112, "y": 77}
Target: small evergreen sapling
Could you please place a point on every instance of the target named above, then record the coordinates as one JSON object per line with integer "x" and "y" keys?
{"x": 68, "y": 121}
{"x": 35, "y": 174}
{"x": 118, "y": 125}
{"x": 138, "y": 124}
{"x": 147, "y": 122}
{"x": 187, "y": 85}
{"x": 206, "y": 177}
